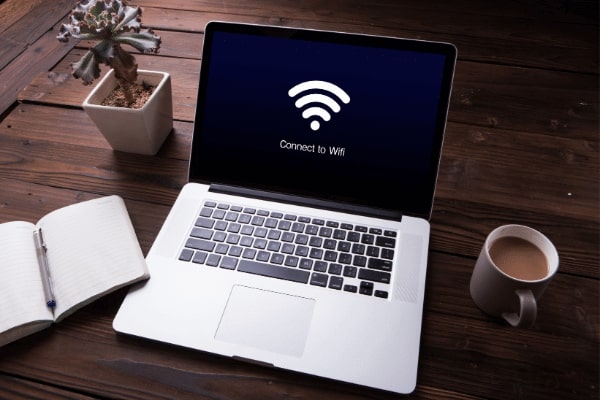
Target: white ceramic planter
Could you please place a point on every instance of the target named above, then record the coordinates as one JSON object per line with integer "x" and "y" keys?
{"x": 142, "y": 130}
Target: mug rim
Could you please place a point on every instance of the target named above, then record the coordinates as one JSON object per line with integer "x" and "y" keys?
{"x": 509, "y": 230}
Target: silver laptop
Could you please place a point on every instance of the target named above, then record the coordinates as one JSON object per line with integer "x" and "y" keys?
{"x": 301, "y": 239}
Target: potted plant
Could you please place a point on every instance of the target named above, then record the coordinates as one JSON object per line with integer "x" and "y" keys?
{"x": 140, "y": 115}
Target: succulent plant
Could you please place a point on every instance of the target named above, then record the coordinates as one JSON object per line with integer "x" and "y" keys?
{"x": 112, "y": 23}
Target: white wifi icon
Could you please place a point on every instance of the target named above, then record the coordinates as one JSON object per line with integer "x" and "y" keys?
{"x": 320, "y": 105}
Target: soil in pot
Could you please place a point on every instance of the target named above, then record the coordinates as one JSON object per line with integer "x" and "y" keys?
{"x": 140, "y": 93}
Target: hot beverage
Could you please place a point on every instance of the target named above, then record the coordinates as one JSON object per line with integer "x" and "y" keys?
{"x": 519, "y": 258}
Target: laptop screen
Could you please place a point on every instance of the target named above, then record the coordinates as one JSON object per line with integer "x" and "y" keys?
{"x": 347, "y": 118}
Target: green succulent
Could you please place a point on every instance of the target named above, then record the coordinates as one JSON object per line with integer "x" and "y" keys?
{"x": 112, "y": 23}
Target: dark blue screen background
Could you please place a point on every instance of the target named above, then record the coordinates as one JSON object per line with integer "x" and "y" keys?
{"x": 390, "y": 132}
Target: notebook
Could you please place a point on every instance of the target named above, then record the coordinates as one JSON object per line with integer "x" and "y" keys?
{"x": 301, "y": 239}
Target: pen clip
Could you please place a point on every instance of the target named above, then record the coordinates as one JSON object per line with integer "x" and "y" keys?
{"x": 42, "y": 242}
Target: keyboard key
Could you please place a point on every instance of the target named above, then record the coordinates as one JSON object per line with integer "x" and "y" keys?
{"x": 249, "y": 253}
{"x": 350, "y": 272}
{"x": 336, "y": 282}
{"x": 271, "y": 223}
{"x": 201, "y": 233}
{"x": 302, "y": 251}
{"x": 228, "y": 263}
{"x": 277, "y": 258}
{"x": 186, "y": 255}
{"x": 235, "y": 251}
{"x": 359, "y": 261}
{"x": 244, "y": 218}
{"x": 367, "y": 239}
{"x": 315, "y": 241}
{"x": 199, "y": 244}
{"x": 320, "y": 266}
{"x": 335, "y": 269}
{"x": 306, "y": 263}
{"x": 234, "y": 228}
{"x": 372, "y": 251}
{"x": 353, "y": 236}
{"x": 206, "y": 212}
{"x": 311, "y": 230}
{"x": 291, "y": 261}
{"x": 260, "y": 232}
{"x": 315, "y": 253}
{"x": 218, "y": 214}
{"x": 329, "y": 244}
{"x": 273, "y": 271}
{"x": 318, "y": 279}
{"x": 388, "y": 254}
{"x": 325, "y": 232}
{"x": 374, "y": 276}
{"x": 384, "y": 241}
{"x": 339, "y": 234}
{"x": 381, "y": 293}
{"x": 222, "y": 248}
{"x": 284, "y": 225}
{"x": 344, "y": 246}
{"x": 350, "y": 288}
{"x": 263, "y": 256}
{"x": 204, "y": 222}
{"x": 358, "y": 248}
{"x": 213, "y": 260}
{"x": 344, "y": 258}
{"x": 288, "y": 248}
{"x": 379, "y": 264}
{"x": 298, "y": 227}
{"x": 366, "y": 288}
{"x": 231, "y": 216}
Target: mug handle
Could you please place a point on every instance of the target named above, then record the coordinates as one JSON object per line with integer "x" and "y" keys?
{"x": 528, "y": 312}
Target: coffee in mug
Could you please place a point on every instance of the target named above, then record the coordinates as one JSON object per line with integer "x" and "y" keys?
{"x": 513, "y": 269}
{"x": 519, "y": 258}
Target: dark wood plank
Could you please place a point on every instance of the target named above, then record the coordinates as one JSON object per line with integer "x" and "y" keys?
{"x": 14, "y": 388}
{"x": 11, "y": 11}
{"x": 38, "y": 57}
{"x": 524, "y": 33}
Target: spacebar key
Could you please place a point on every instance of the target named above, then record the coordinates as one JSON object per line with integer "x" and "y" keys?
{"x": 273, "y": 271}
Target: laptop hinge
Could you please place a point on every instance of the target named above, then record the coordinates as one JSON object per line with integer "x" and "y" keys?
{"x": 309, "y": 202}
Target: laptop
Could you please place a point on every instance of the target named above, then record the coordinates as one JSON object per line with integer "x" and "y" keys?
{"x": 301, "y": 239}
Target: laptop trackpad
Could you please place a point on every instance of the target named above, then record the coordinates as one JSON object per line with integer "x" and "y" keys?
{"x": 266, "y": 320}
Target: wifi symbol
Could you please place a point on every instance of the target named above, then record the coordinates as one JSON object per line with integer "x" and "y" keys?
{"x": 317, "y": 100}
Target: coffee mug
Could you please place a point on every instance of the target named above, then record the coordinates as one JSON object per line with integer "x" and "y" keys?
{"x": 514, "y": 267}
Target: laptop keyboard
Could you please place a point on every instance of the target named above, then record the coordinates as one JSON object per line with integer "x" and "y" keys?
{"x": 325, "y": 253}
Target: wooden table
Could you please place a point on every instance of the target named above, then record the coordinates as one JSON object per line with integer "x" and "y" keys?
{"x": 521, "y": 147}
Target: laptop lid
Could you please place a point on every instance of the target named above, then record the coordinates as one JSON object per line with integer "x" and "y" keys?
{"x": 343, "y": 118}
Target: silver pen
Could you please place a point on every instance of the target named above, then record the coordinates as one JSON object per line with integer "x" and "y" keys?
{"x": 44, "y": 269}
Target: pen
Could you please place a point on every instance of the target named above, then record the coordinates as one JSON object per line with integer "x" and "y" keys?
{"x": 43, "y": 263}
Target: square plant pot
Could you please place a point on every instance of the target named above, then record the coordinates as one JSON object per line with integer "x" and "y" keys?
{"x": 142, "y": 130}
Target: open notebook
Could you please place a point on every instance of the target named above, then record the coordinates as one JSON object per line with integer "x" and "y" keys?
{"x": 301, "y": 241}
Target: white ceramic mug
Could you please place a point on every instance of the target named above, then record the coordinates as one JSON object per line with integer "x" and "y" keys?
{"x": 508, "y": 278}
